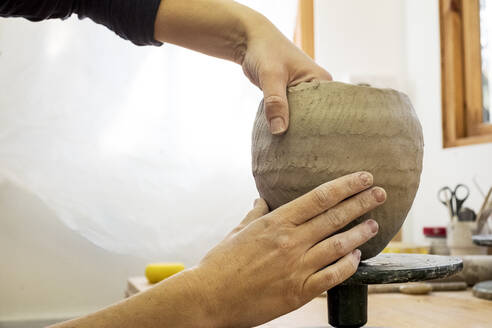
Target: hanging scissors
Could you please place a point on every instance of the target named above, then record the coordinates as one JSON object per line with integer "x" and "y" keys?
{"x": 453, "y": 199}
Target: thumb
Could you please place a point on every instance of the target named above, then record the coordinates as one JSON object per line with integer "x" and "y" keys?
{"x": 260, "y": 209}
{"x": 275, "y": 103}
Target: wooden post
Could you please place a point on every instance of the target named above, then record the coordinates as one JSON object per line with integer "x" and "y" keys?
{"x": 304, "y": 32}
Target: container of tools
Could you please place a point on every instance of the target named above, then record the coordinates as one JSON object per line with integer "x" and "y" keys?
{"x": 463, "y": 221}
{"x": 459, "y": 238}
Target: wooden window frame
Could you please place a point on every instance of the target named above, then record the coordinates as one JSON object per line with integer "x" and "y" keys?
{"x": 461, "y": 75}
{"x": 304, "y": 32}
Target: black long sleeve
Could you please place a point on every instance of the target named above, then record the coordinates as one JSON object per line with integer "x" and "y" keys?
{"x": 131, "y": 19}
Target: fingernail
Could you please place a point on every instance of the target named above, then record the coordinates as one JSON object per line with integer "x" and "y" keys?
{"x": 379, "y": 194}
{"x": 356, "y": 253}
{"x": 277, "y": 125}
{"x": 373, "y": 225}
{"x": 255, "y": 202}
{"x": 365, "y": 178}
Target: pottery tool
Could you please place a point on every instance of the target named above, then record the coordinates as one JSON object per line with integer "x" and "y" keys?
{"x": 347, "y": 302}
{"x": 453, "y": 199}
{"x": 482, "y": 240}
{"x": 476, "y": 268}
{"x": 467, "y": 214}
{"x": 417, "y": 288}
{"x": 156, "y": 272}
{"x": 485, "y": 212}
{"x": 483, "y": 290}
{"x": 477, "y": 185}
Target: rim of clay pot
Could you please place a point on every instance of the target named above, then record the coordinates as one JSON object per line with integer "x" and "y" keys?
{"x": 314, "y": 84}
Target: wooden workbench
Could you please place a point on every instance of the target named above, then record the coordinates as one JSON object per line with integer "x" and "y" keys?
{"x": 436, "y": 310}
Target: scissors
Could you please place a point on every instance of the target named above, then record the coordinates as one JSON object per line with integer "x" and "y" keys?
{"x": 453, "y": 199}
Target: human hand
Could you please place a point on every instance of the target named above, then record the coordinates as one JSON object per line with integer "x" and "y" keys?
{"x": 273, "y": 63}
{"x": 229, "y": 30}
{"x": 273, "y": 263}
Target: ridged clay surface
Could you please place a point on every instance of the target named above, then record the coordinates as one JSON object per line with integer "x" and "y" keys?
{"x": 336, "y": 129}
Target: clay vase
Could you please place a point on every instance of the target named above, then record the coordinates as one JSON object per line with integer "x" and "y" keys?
{"x": 336, "y": 129}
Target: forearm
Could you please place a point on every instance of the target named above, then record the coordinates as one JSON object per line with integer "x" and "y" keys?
{"x": 175, "y": 302}
{"x": 220, "y": 28}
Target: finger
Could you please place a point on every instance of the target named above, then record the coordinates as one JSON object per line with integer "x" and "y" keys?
{"x": 332, "y": 275}
{"x": 325, "y": 75}
{"x": 322, "y": 74}
{"x": 260, "y": 208}
{"x": 324, "y": 197}
{"x": 275, "y": 103}
{"x": 333, "y": 248}
{"x": 310, "y": 76}
{"x": 342, "y": 214}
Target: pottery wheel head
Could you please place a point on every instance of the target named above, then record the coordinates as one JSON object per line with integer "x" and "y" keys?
{"x": 336, "y": 129}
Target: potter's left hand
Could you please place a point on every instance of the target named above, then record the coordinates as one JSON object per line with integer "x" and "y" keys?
{"x": 229, "y": 30}
{"x": 273, "y": 63}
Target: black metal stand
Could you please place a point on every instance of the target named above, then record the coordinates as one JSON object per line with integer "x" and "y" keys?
{"x": 347, "y": 306}
{"x": 347, "y": 302}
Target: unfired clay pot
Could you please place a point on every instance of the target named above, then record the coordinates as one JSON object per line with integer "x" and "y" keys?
{"x": 336, "y": 129}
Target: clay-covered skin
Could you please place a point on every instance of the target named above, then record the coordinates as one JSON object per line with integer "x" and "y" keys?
{"x": 336, "y": 129}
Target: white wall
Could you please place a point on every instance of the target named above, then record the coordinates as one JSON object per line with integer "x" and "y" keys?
{"x": 47, "y": 270}
{"x": 108, "y": 149}
{"x": 357, "y": 39}
{"x": 395, "y": 43}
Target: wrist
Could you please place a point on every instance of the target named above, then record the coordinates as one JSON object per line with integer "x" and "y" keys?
{"x": 257, "y": 32}
{"x": 251, "y": 26}
{"x": 203, "y": 298}
{"x": 220, "y": 28}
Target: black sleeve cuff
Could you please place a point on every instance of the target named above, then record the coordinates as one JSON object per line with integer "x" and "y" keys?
{"x": 131, "y": 19}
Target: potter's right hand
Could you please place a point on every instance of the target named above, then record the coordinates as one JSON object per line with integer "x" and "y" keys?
{"x": 273, "y": 263}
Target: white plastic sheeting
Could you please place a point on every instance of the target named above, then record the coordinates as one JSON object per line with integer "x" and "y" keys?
{"x": 143, "y": 151}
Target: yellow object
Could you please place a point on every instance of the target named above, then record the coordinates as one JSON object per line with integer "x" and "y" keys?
{"x": 156, "y": 272}
{"x": 399, "y": 247}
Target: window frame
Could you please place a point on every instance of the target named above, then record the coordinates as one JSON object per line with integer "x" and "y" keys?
{"x": 304, "y": 31}
{"x": 461, "y": 74}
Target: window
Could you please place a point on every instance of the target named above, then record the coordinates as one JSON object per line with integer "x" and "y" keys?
{"x": 304, "y": 32}
{"x": 466, "y": 62}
